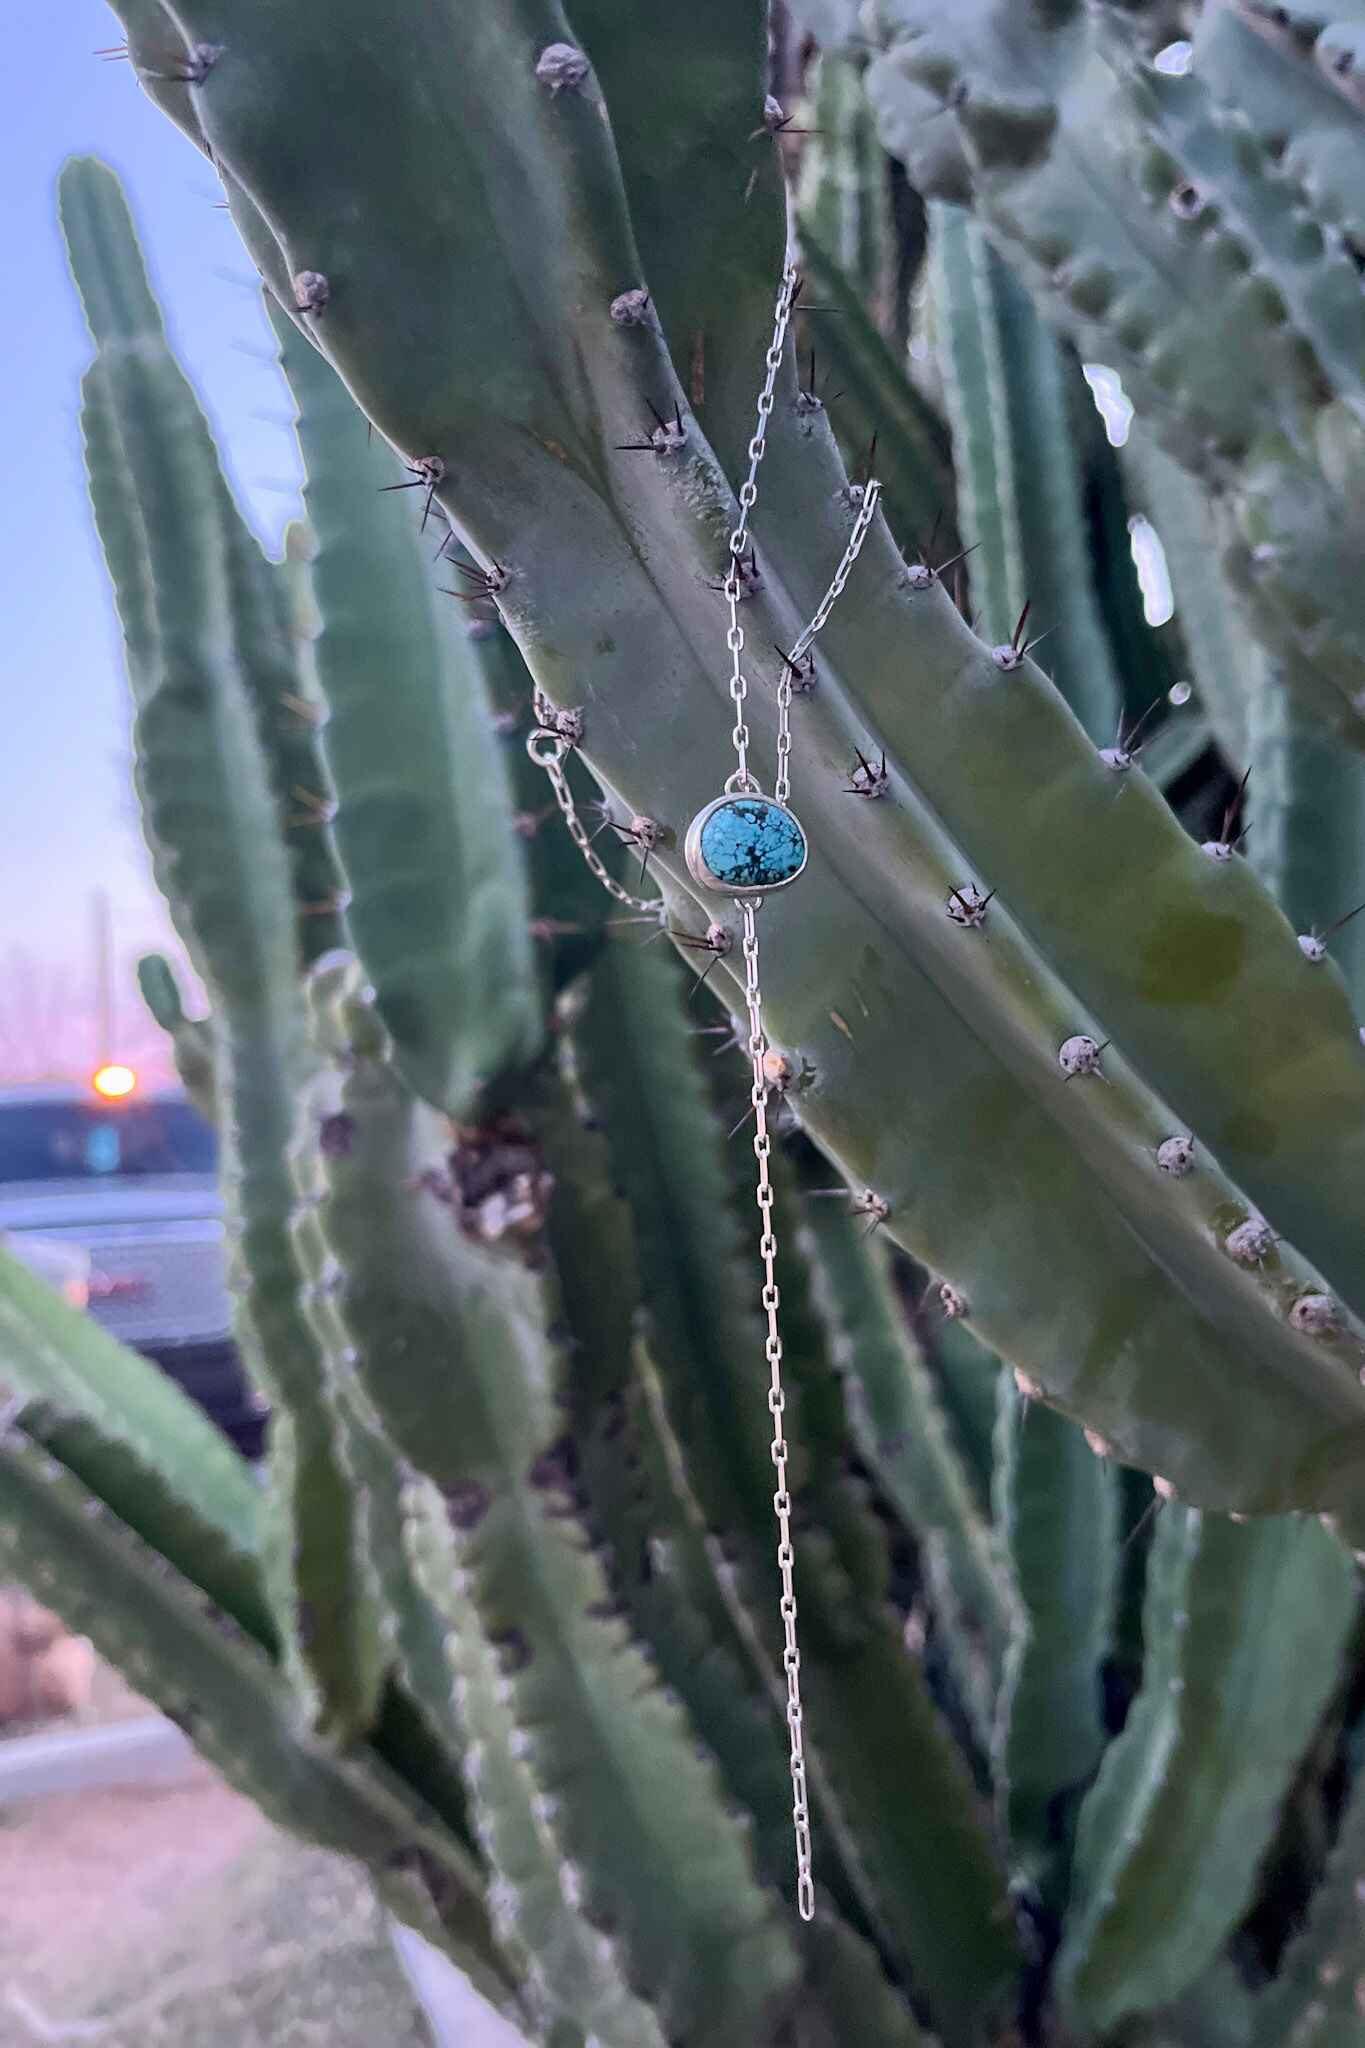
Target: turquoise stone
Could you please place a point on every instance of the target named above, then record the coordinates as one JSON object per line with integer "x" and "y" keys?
{"x": 750, "y": 842}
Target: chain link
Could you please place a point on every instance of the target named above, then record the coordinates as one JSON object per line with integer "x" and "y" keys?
{"x": 739, "y": 538}
{"x": 547, "y": 749}
{"x": 777, "y": 1402}
{"x": 867, "y": 508}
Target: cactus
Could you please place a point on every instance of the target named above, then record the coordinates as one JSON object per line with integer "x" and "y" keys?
{"x": 503, "y": 1624}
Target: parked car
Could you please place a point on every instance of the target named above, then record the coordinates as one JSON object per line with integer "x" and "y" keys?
{"x": 130, "y": 1182}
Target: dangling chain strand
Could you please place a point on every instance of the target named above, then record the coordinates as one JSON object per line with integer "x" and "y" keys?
{"x": 748, "y": 498}
{"x": 872, "y": 491}
{"x": 547, "y": 749}
{"x": 777, "y": 1401}
{"x": 747, "y": 907}
{"x": 548, "y": 745}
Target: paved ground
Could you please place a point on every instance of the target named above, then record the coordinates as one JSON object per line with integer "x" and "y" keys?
{"x": 179, "y": 1918}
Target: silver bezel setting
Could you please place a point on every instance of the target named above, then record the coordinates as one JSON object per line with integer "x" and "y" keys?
{"x": 696, "y": 862}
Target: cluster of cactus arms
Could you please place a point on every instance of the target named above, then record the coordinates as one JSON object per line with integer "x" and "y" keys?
{"x": 1064, "y": 1011}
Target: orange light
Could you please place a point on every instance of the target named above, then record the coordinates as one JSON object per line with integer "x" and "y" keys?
{"x": 113, "y": 1081}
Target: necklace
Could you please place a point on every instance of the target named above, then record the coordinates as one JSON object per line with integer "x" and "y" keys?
{"x": 744, "y": 844}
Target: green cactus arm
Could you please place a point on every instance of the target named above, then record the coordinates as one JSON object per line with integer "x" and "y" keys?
{"x": 865, "y": 1702}
{"x": 130, "y": 1435}
{"x": 843, "y": 194}
{"x": 660, "y": 1569}
{"x": 1056, "y": 1517}
{"x": 1005, "y": 377}
{"x": 1225, "y": 661}
{"x": 900, "y": 1429}
{"x": 704, "y": 184}
{"x": 1076, "y": 150}
{"x": 451, "y": 1344}
{"x": 658, "y": 1562}
{"x": 416, "y": 1731}
{"x": 1245, "y": 1629}
{"x": 1314, "y": 1997}
{"x": 437, "y": 897}
{"x": 1276, "y": 66}
{"x": 913, "y": 456}
{"x": 848, "y": 2003}
{"x": 288, "y": 713}
{"x": 971, "y": 366}
{"x": 192, "y": 1043}
{"x": 965, "y": 1374}
{"x": 1306, "y": 804}
{"x": 201, "y": 1671}
{"x": 571, "y": 910}
{"x": 563, "y": 132}
{"x": 107, "y": 266}
{"x": 1293, "y": 537}
{"x": 1171, "y": 243}
{"x": 210, "y": 815}
{"x": 572, "y": 1970}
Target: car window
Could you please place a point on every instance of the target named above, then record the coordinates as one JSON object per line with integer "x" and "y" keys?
{"x": 79, "y": 1141}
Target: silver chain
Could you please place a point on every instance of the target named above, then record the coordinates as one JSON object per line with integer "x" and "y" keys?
{"x": 777, "y": 1402}
{"x": 739, "y": 538}
{"x": 872, "y": 491}
{"x": 547, "y": 749}
{"x": 547, "y": 745}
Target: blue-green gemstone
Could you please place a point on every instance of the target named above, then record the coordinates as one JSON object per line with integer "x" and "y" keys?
{"x": 752, "y": 843}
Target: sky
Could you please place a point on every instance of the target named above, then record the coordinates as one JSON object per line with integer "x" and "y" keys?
{"x": 68, "y": 819}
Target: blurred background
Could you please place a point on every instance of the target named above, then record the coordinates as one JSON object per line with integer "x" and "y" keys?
{"x": 140, "y": 1900}
{"x": 77, "y": 905}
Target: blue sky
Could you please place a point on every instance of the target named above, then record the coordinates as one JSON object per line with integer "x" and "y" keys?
{"x": 69, "y": 819}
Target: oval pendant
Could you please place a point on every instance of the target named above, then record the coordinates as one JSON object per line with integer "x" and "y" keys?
{"x": 745, "y": 845}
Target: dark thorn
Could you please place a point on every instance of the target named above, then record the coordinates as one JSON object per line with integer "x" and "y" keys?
{"x": 660, "y": 422}
{"x": 1153, "y": 1508}
{"x": 1230, "y": 814}
{"x": 1343, "y": 920}
{"x": 1037, "y": 641}
{"x": 715, "y": 961}
{"x": 953, "y": 560}
{"x": 1129, "y": 746}
{"x": 1017, "y": 635}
